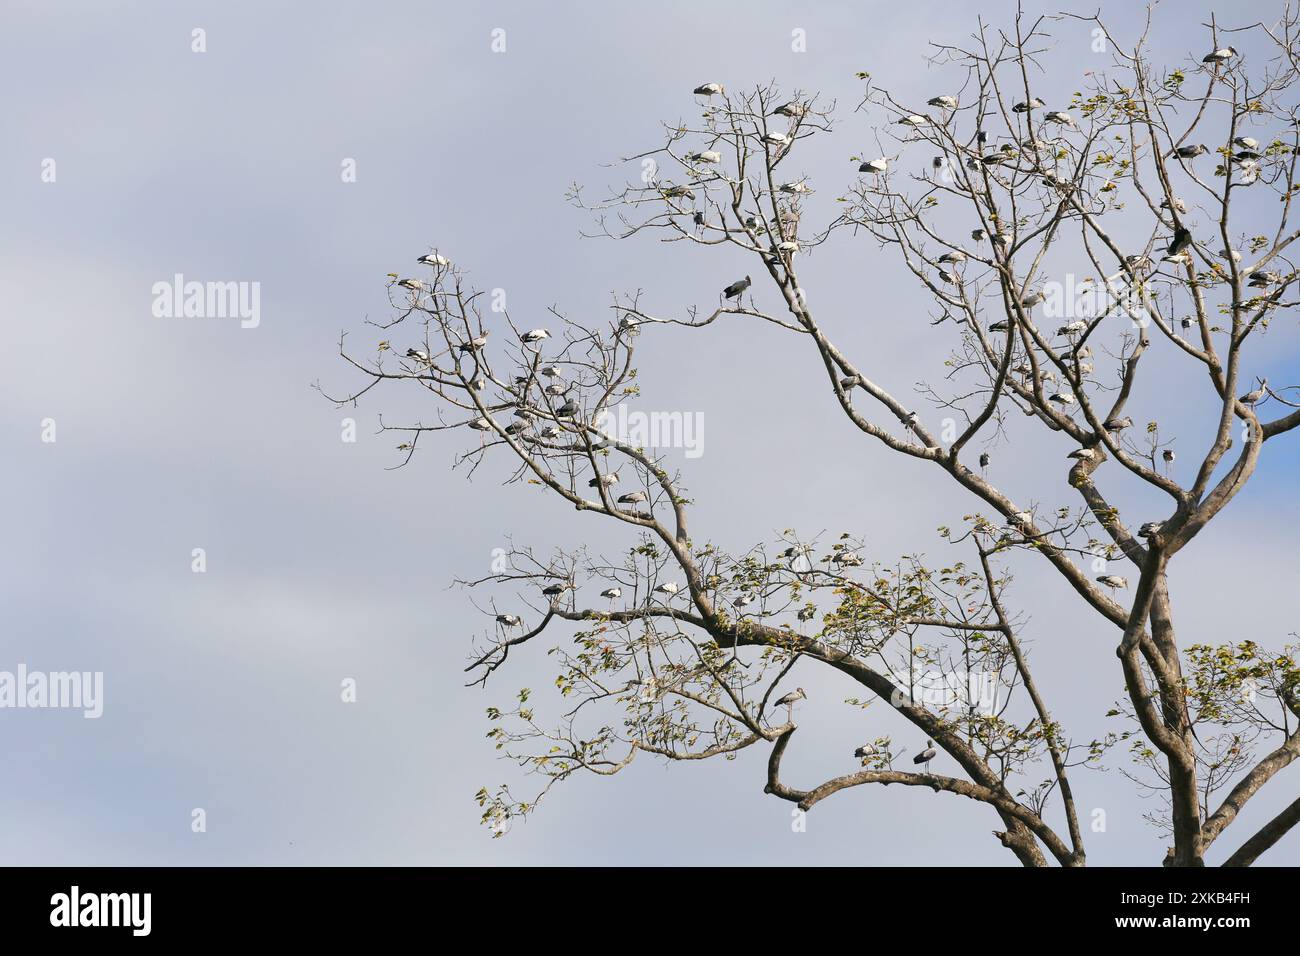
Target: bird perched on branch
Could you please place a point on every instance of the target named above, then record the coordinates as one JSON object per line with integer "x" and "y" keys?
{"x": 926, "y": 755}
{"x": 1252, "y": 398}
{"x": 737, "y": 288}
{"x": 1182, "y": 239}
{"x": 792, "y": 698}
{"x": 707, "y": 156}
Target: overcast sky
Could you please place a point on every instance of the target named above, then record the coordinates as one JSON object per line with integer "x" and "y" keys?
{"x": 222, "y": 689}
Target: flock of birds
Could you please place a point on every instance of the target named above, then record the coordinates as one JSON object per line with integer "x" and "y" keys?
{"x": 1247, "y": 158}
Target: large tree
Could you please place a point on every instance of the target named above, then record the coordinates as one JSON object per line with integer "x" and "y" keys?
{"x": 1061, "y": 243}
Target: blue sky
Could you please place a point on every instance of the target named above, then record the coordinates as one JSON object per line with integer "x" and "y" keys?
{"x": 222, "y": 689}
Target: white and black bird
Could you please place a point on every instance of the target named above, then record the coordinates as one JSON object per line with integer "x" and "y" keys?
{"x": 705, "y": 156}
{"x": 554, "y": 591}
{"x": 1178, "y": 205}
{"x": 791, "y": 110}
{"x": 806, "y": 613}
{"x": 792, "y": 698}
{"x": 414, "y": 285}
{"x": 1061, "y": 398}
{"x": 943, "y": 102}
{"x": 1061, "y": 117}
{"x": 1113, "y": 581}
{"x": 979, "y": 235}
{"x": 633, "y": 498}
{"x": 1190, "y": 152}
{"x": 668, "y": 587}
{"x": 1168, "y": 455}
{"x": 1118, "y": 424}
{"x": 1219, "y": 57}
{"x": 1253, "y": 397}
{"x": 926, "y": 755}
{"x": 433, "y": 259}
{"x": 794, "y": 188}
{"x": 420, "y": 355}
{"x": 533, "y": 336}
{"x": 1033, "y": 104}
{"x": 737, "y": 288}
{"x": 776, "y": 139}
{"x": 914, "y": 121}
{"x": 1082, "y": 454}
{"x": 607, "y": 480}
{"x": 1182, "y": 239}
{"x": 955, "y": 257}
{"x": 1149, "y": 529}
{"x": 878, "y": 166}
{"x": 709, "y": 89}
{"x": 550, "y": 431}
{"x": 1246, "y": 142}
{"x": 567, "y": 410}
{"x": 866, "y": 750}
{"x": 474, "y": 344}
{"x": 509, "y": 620}
{"x": 481, "y": 425}
{"x": 613, "y": 594}
{"x": 984, "y": 460}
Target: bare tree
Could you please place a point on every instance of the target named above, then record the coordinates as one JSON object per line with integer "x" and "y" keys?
{"x": 983, "y": 194}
